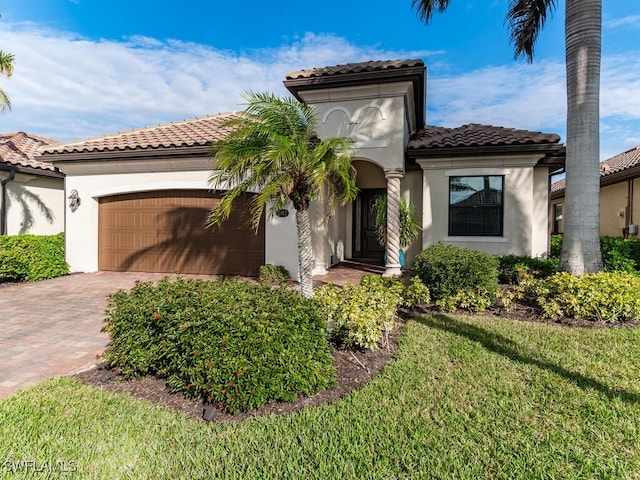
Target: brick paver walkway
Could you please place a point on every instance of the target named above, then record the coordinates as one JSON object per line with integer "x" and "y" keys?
{"x": 53, "y": 327}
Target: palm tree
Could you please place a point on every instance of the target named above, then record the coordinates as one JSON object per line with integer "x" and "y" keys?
{"x": 583, "y": 34}
{"x": 6, "y": 68}
{"x": 273, "y": 150}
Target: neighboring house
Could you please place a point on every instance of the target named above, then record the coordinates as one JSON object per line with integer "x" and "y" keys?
{"x": 32, "y": 190}
{"x": 145, "y": 192}
{"x": 619, "y": 196}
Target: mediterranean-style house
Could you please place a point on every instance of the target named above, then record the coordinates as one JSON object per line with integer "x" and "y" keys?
{"x": 619, "y": 196}
{"x": 32, "y": 191}
{"x": 144, "y": 193}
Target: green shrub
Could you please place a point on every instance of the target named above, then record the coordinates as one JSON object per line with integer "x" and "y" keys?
{"x": 514, "y": 268}
{"x": 416, "y": 293}
{"x": 274, "y": 275}
{"x": 618, "y": 254}
{"x": 448, "y": 270}
{"x": 359, "y": 314}
{"x": 556, "y": 246}
{"x": 474, "y": 301}
{"x": 32, "y": 257}
{"x": 604, "y": 296}
{"x": 234, "y": 344}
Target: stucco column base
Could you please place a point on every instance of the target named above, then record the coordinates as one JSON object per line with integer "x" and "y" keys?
{"x": 392, "y": 270}
{"x": 319, "y": 269}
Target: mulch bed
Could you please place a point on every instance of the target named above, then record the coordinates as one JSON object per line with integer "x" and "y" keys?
{"x": 353, "y": 369}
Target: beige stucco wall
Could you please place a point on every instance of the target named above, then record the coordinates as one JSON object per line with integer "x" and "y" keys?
{"x": 525, "y": 203}
{"x": 35, "y": 205}
{"x": 635, "y": 204}
{"x": 614, "y": 200}
{"x": 127, "y": 177}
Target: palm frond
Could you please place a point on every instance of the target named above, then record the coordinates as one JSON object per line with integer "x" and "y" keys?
{"x": 425, "y": 9}
{"x": 525, "y": 19}
{"x": 5, "y": 103}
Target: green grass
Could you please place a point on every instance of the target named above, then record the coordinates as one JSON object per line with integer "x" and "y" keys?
{"x": 464, "y": 399}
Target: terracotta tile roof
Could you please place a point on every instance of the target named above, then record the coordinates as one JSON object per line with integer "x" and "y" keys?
{"x": 618, "y": 163}
{"x": 201, "y": 131}
{"x": 349, "y": 68}
{"x": 476, "y": 135}
{"x": 558, "y": 186}
{"x": 21, "y": 149}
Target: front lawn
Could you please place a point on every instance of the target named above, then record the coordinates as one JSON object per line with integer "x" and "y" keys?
{"x": 465, "y": 398}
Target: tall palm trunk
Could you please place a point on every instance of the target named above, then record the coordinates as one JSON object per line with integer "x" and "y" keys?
{"x": 583, "y": 31}
{"x": 303, "y": 226}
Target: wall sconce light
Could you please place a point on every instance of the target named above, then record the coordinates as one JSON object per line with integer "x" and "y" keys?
{"x": 74, "y": 200}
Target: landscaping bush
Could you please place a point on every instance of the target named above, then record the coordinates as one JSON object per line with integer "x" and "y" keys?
{"x": 32, "y": 257}
{"x": 452, "y": 273}
{"x": 274, "y": 275}
{"x": 556, "y": 246}
{"x": 514, "y": 268}
{"x": 415, "y": 293}
{"x": 358, "y": 315}
{"x": 237, "y": 345}
{"x": 604, "y": 296}
{"x": 618, "y": 254}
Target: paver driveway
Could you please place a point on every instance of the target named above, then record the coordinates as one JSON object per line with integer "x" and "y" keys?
{"x": 53, "y": 327}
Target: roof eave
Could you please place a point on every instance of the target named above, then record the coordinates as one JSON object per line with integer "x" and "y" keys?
{"x": 137, "y": 153}
{"x": 41, "y": 172}
{"x": 555, "y": 153}
{"x": 415, "y": 74}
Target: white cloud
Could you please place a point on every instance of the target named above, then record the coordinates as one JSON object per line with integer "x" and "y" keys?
{"x": 632, "y": 21}
{"x": 68, "y": 87}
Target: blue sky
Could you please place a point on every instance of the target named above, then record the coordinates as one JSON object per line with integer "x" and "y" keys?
{"x": 92, "y": 67}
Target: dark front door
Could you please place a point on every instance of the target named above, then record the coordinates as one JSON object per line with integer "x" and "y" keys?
{"x": 366, "y": 244}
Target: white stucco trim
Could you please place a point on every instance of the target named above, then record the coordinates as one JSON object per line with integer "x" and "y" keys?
{"x": 476, "y": 239}
{"x": 148, "y": 187}
{"x": 476, "y": 172}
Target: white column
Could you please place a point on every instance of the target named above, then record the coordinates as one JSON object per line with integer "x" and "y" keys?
{"x": 392, "y": 268}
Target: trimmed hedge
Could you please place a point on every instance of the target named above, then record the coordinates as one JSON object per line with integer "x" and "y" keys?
{"x": 455, "y": 275}
{"x": 618, "y": 254}
{"x": 514, "y": 268}
{"x": 603, "y": 296}
{"x": 32, "y": 257}
{"x": 234, "y": 344}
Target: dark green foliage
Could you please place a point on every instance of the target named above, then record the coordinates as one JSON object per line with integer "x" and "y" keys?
{"x": 32, "y": 257}
{"x": 514, "y": 268}
{"x": 620, "y": 254}
{"x": 556, "y": 246}
{"x": 448, "y": 270}
{"x": 235, "y": 344}
{"x": 274, "y": 275}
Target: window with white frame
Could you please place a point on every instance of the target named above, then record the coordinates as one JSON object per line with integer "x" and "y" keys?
{"x": 476, "y": 205}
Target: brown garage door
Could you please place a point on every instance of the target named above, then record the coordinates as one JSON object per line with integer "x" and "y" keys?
{"x": 164, "y": 231}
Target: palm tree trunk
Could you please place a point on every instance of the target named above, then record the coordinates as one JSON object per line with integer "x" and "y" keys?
{"x": 303, "y": 226}
{"x": 583, "y": 32}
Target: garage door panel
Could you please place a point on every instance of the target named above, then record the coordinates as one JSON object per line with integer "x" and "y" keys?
{"x": 165, "y": 232}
